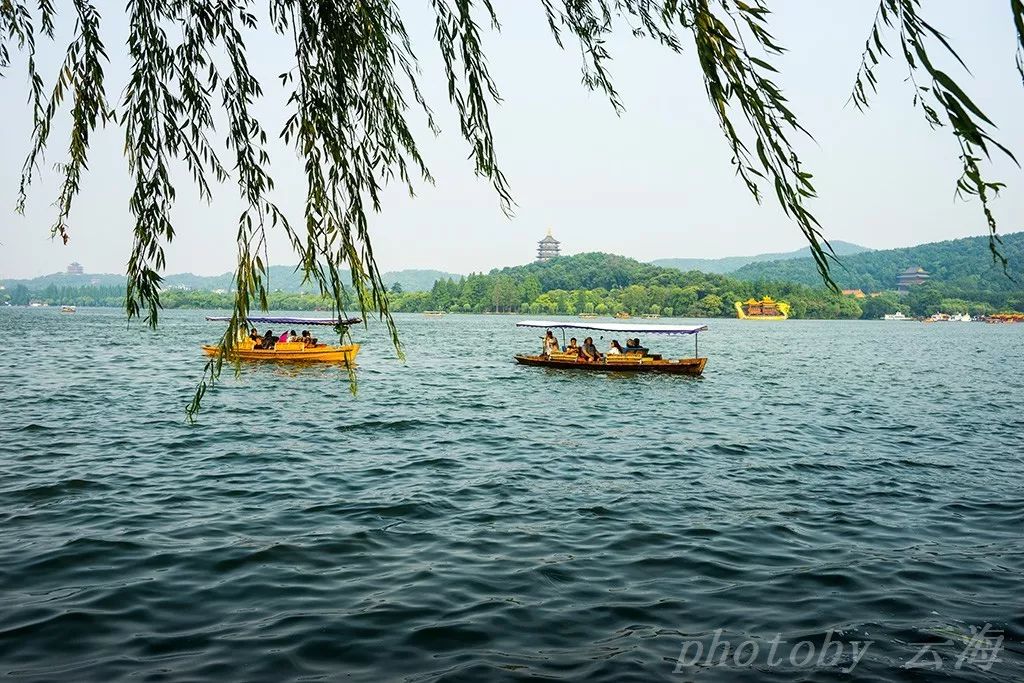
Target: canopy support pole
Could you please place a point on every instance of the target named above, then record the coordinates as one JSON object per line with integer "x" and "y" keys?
{"x": 695, "y": 335}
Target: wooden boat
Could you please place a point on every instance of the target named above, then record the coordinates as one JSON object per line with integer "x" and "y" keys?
{"x": 290, "y": 351}
{"x": 765, "y": 309}
{"x": 67, "y": 309}
{"x": 1005, "y": 318}
{"x": 245, "y": 348}
{"x": 433, "y": 314}
{"x": 651, "y": 316}
{"x": 629, "y": 361}
{"x": 588, "y": 316}
{"x": 622, "y": 315}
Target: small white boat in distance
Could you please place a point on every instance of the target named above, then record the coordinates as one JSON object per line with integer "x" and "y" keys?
{"x": 898, "y": 315}
{"x": 67, "y": 309}
{"x": 960, "y": 318}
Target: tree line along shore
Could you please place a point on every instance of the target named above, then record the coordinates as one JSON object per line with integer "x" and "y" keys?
{"x": 601, "y": 284}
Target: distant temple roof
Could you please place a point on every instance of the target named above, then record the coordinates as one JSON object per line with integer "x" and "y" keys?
{"x": 915, "y": 270}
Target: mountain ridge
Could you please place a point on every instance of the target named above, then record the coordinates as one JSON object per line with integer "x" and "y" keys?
{"x": 730, "y": 264}
{"x": 280, "y": 278}
{"x": 965, "y": 263}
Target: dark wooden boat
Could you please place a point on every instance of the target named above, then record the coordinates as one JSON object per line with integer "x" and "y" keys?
{"x": 624, "y": 363}
{"x": 636, "y": 360}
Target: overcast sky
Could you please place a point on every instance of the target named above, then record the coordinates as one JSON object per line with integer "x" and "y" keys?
{"x": 655, "y": 182}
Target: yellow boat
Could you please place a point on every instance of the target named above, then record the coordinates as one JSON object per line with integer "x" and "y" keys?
{"x": 765, "y": 309}
{"x": 291, "y": 352}
{"x": 622, "y": 315}
{"x": 630, "y": 360}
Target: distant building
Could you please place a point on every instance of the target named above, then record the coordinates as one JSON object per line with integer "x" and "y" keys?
{"x": 75, "y": 268}
{"x": 912, "y": 276}
{"x": 547, "y": 248}
{"x": 855, "y": 293}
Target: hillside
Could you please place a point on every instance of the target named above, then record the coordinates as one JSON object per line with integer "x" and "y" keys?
{"x": 281, "y": 278}
{"x": 964, "y": 264}
{"x": 730, "y": 264}
{"x": 606, "y": 284}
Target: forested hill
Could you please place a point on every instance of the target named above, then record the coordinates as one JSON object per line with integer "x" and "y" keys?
{"x": 730, "y": 264}
{"x": 592, "y": 270}
{"x": 606, "y": 284}
{"x": 964, "y": 264}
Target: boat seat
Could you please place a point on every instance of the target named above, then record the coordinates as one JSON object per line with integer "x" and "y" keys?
{"x": 628, "y": 359}
{"x": 563, "y": 356}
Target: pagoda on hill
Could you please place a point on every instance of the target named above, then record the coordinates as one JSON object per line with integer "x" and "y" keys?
{"x": 914, "y": 275}
{"x": 75, "y": 268}
{"x": 547, "y": 248}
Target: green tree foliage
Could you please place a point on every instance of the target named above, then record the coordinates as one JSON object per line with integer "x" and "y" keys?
{"x": 606, "y": 284}
{"x": 20, "y": 296}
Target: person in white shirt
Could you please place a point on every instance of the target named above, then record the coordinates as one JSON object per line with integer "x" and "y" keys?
{"x": 551, "y": 344}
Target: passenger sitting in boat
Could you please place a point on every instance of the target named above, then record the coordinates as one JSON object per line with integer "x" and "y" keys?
{"x": 254, "y": 334}
{"x": 633, "y": 346}
{"x": 292, "y": 337}
{"x": 573, "y": 347}
{"x": 614, "y": 349}
{"x": 283, "y": 337}
{"x": 269, "y": 340}
{"x": 550, "y": 344}
{"x": 589, "y": 352}
{"x": 307, "y": 339}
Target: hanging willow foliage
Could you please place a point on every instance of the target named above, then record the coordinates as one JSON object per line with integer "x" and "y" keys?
{"x": 353, "y": 86}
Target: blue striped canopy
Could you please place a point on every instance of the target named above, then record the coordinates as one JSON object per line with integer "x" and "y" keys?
{"x": 616, "y": 327}
{"x": 289, "y": 320}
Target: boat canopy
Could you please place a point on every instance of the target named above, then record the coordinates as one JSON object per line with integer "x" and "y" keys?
{"x": 289, "y": 320}
{"x": 616, "y": 327}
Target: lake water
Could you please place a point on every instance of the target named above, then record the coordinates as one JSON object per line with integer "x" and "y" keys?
{"x": 839, "y": 484}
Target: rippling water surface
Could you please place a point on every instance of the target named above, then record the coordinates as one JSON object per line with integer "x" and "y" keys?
{"x": 464, "y": 518}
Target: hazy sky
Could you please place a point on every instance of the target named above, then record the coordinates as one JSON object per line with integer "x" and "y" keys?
{"x": 655, "y": 182}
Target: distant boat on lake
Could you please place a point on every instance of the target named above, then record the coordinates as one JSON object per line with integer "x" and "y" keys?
{"x": 622, "y": 315}
{"x": 67, "y": 309}
{"x": 946, "y": 318}
{"x": 588, "y": 316}
{"x": 433, "y": 314}
{"x": 765, "y": 309}
{"x": 898, "y": 315}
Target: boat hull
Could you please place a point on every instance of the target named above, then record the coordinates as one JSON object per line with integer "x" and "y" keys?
{"x": 319, "y": 354}
{"x": 683, "y": 366}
